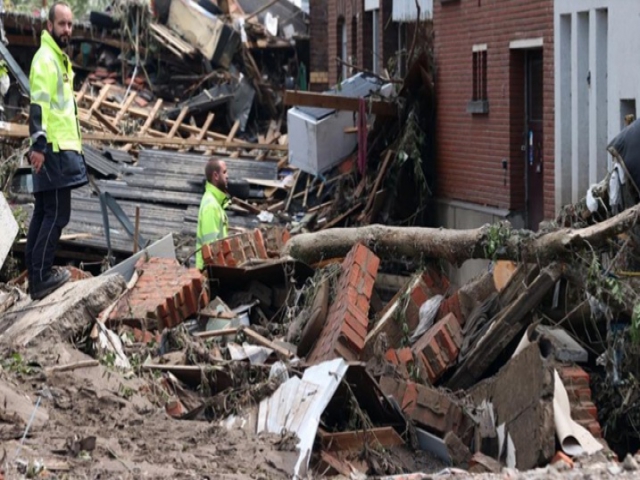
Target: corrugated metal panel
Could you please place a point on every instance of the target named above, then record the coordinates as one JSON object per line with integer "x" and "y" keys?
{"x": 298, "y": 404}
{"x": 99, "y": 163}
{"x": 406, "y": 11}
{"x": 360, "y": 85}
{"x": 191, "y": 166}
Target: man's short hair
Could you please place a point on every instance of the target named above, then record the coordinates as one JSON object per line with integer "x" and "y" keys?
{"x": 213, "y": 166}
{"x": 52, "y": 9}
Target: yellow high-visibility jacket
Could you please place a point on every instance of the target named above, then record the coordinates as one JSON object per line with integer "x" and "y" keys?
{"x": 51, "y": 83}
{"x": 212, "y": 220}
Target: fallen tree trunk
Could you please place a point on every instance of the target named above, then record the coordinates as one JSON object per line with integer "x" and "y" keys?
{"x": 498, "y": 241}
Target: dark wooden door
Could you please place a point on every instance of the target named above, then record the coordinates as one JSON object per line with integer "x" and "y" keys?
{"x": 534, "y": 137}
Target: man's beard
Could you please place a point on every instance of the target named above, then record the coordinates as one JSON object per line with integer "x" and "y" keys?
{"x": 62, "y": 42}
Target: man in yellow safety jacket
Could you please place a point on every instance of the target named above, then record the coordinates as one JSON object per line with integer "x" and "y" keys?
{"x": 212, "y": 220}
{"x": 56, "y": 151}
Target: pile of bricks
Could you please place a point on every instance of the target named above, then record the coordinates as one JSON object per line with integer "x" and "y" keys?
{"x": 165, "y": 291}
{"x": 236, "y": 250}
{"x": 438, "y": 348}
{"x": 432, "y": 354}
{"x": 430, "y": 408}
{"x": 583, "y": 410}
{"x": 274, "y": 240}
{"x": 348, "y": 319}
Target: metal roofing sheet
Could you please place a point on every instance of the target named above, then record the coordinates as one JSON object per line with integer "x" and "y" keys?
{"x": 287, "y": 13}
{"x": 192, "y": 165}
{"x": 99, "y": 163}
{"x": 360, "y": 85}
{"x": 298, "y": 404}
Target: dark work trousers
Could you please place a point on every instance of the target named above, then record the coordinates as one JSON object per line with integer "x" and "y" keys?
{"x": 50, "y": 215}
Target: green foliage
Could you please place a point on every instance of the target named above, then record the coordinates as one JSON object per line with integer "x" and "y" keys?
{"x": 635, "y": 324}
{"x": 16, "y": 364}
{"x": 497, "y": 237}
{"x": 80, "y": 8}
{"x": 410, "y": 150}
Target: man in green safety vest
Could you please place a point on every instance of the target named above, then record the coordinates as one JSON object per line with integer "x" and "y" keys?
{"x": 213, "y": 223}
{"x": 56, "y": 151}
{"x": 5, "y": 83}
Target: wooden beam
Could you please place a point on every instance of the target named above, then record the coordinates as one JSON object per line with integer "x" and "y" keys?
{"x": 122, "y": 112}
{"x": 98, "y": 101}
{"x": 147, "y": 124}
{"x": 337, "y": 102}
{"x": 234, "y": 130}
{"x": 14, "y": 130}
{"x": 357, "y": 440}
{"x": 179, "y": 120}
{"x": 106, "y": 121}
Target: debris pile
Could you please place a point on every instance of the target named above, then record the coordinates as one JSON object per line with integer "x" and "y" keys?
{"x": 310, "y": 349}
{"x": 350, "y": 361}
{"x": 155, "y": 102}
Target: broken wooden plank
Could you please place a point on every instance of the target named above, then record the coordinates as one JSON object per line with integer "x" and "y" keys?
{"x": 178, "y": 123}
{"x": 337, "y": 102}
{"x": 74, "y": 366}
{"x": 217, "y": 333}
{"x": 106, "y": 121}
{"x": 358, "y": 440}
{"x": 381, "y": 174}
{"x": 147, "y": 124}
{"x": 125, "y": 107}
{"x": 265, "y": 342}
{"x": 246, "y": 205}
{"x": 14, "y": 130}
{"x": 234, "y": 130}
{"x": 98, "y": 101}
{"x": 507, "y": 325}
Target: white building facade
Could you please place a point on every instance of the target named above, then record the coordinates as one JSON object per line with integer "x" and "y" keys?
{"x": 597, "y": 84}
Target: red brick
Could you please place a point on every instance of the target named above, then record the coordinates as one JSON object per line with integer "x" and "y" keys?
{"x": 451, "y": 305}
{"x": 409, "y": 401}
{"x": 391, "y": 356}
{"x": 393, "y": 316}
{"x": 347, "y": 320}
{"x": 574, "y": 376}
{"x": 594, "y": 428}
{"x": 439, "y": 348}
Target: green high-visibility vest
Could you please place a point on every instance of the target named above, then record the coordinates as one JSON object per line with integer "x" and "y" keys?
{"x": 212, "y": 220}
{"x": 51, "y": 82}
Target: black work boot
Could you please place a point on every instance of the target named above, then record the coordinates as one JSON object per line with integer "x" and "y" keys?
{"x": 53, "y": 281}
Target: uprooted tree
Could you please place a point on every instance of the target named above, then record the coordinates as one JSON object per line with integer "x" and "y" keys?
{"x": 497, "y": 241}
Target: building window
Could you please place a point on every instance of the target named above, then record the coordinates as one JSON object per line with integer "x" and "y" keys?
{"x": 342, "y": 49}
{"x": 479, "y": 101}
{"x": 354, "y": 44}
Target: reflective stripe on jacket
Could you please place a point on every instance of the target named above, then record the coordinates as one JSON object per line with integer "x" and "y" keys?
{"x": 212, "y": 220}
{"x": 51, "y": 82}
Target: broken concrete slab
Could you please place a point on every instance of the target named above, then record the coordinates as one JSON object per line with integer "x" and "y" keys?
{"x": 67, "y": 310}
{"x": 9, "y": 229}
{"x": 522, "y": 398}
{"x": 566, "y": 349}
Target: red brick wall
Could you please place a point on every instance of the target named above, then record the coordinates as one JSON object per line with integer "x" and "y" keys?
{"x": 347, "y": 10}
{"x": 318, "y": 25}
{"x": 471, "y": 147}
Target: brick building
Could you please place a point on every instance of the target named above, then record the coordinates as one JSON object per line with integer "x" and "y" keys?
{"x": 356, "y": 32}
{"x": 495, "y": 122}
